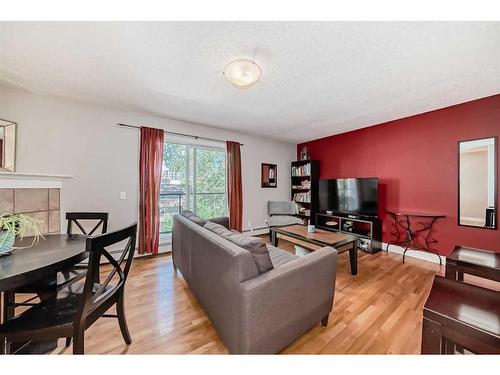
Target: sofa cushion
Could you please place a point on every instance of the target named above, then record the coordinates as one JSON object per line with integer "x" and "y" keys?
{"x": 193, "y": 217}
{"x": 255, "y": 246}
{"x": 280, "y": 257}
{"x": 222, "y": 220}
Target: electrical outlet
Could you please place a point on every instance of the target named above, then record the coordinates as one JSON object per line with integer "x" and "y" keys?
{"x": 250, "y": 224}
{"x": 123, "y": 195}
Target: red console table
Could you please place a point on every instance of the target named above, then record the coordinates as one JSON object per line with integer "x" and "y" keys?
{"x": 412, "y": 238}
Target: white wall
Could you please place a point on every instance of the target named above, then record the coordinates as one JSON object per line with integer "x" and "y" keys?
{"x": 61, "y": 136}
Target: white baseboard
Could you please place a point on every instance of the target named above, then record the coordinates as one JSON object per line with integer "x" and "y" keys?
{"x": 422, "y": 255}
{"x": 163, "y": 249}
{"x": 256, "y": 232}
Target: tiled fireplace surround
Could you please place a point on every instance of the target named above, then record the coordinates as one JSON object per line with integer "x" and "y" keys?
{"x": 42, "y": 204}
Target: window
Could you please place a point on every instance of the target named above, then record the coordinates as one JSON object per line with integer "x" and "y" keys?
{"x": 193, "y": 178}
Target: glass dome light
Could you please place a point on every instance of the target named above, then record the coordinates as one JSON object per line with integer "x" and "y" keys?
{"x": 242, "y": 72}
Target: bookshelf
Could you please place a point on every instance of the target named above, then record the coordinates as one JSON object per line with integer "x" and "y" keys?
{"x": 304, "y": 188}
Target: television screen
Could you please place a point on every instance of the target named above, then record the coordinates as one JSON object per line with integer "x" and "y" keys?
{"x": 349, "y": 195}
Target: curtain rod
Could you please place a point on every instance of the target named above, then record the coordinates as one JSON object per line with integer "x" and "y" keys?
{"x": 175, "y": 133}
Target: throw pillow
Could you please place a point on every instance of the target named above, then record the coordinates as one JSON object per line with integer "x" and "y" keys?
{"x": 193, "y": 217}
{"x": 254, "y": 245}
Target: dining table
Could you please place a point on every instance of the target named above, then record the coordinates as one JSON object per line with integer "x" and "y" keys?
{"x": 32, "y": 262}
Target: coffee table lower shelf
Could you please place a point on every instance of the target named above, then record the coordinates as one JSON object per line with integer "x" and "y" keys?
{"x": 337, "y": 240}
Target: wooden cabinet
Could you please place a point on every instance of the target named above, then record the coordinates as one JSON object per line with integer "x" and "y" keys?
{"x": 368, "y": 229}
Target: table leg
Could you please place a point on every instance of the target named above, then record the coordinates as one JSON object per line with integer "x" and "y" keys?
{"x": 7, "y": 313}
{"x": 274, "y": 238}
{"x": 450, "y": 270}
{"x": 8, "y": 305}
{"x": 449, "y": 347}
{"x": 452, "y": 348}
{"x": 2, "y": 319}
{"x": 353, "y": 257}
{"x": 42, "y": 347}
{"x": 404, "y": 253}
{"x": 432, "y": 338}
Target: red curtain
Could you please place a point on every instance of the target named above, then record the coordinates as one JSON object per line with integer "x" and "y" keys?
{"x": 150, "y": 164}
{"x": 234, "y": 189}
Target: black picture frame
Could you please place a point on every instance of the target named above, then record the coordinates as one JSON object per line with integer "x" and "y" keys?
{"x": 268, "y": 175}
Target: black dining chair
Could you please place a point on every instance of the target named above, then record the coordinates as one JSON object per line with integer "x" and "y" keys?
{"x": 76, "y": 307}
{"x": 46, "y": 287}
{"x": 99, "y": 219}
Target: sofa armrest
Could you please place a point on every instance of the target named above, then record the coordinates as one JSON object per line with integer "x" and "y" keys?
{"x": 223, "y": 220}
{"x": 283, "y": 303}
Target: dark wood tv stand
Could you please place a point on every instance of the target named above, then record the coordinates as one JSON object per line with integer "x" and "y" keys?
{"x": 363, "y": 227}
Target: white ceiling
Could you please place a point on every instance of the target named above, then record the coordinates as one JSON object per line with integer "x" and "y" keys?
{"x": 319, "y": 78}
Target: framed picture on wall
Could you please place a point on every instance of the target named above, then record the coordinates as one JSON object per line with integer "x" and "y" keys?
{"x": 269, "y": 175}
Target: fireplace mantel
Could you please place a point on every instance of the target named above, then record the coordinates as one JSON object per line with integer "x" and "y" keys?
{"x": 20, "y": 180}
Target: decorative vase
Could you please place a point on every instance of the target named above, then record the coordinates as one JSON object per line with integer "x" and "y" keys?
{"x": 6, "y": 242}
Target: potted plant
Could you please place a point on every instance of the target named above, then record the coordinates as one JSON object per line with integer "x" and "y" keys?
{"x": 12, "y": 225}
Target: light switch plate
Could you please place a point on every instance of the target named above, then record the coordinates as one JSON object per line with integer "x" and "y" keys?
{"x": 123, "y": 195}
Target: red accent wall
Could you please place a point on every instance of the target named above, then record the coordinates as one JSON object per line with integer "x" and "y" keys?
{"x": 416, "y": 159}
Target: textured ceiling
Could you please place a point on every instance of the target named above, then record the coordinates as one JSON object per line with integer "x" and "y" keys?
{"x": 319, "y": 78}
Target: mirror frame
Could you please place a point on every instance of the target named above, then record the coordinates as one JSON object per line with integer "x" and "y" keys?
{"x": 495, "y": 177}
{"x": 15, "y": 147}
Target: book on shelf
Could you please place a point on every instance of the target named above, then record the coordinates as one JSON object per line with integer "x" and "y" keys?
{"x": 304, "y": 211}
{"x": 302, "y": 197}
{"x": 304, "y": 185}
{"x": 301, "y": 171}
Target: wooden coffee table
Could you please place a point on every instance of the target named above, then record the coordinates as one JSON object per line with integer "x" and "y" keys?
{"x": 340, "y": 241}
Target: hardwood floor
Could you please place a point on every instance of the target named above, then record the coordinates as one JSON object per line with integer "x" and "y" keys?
{"x": 378, "y": 311}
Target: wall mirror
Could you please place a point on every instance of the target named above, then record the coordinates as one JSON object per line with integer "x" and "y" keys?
{"x": 477, "y": 183}
{"x": 8, "y": 130}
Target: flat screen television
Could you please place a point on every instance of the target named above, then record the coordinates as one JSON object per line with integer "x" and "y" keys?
{"x": 357, "y": 196}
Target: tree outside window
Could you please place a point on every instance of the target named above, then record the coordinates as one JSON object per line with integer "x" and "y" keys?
{"x": 194, "y": 178}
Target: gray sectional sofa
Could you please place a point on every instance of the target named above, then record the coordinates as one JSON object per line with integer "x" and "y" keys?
{"x": 253, "y": 312}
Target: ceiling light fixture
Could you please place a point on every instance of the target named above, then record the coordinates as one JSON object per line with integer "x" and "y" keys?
{"x": 242, "y": 72}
